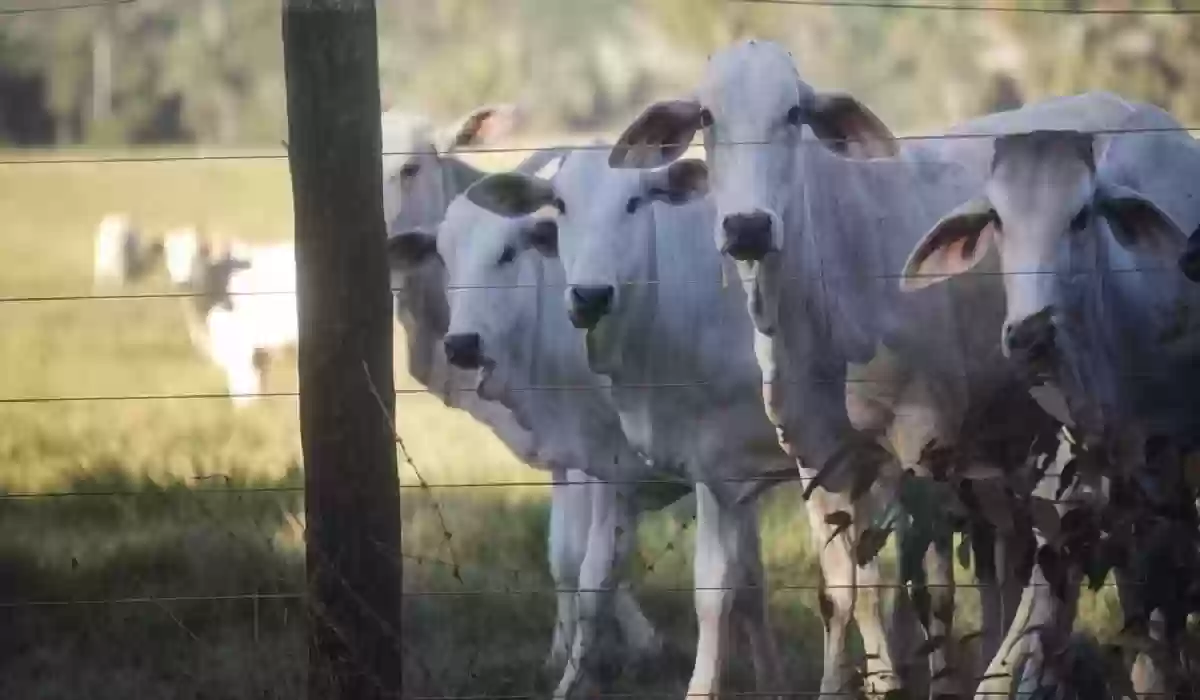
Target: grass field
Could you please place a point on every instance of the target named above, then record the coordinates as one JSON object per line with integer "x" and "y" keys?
{"x": 205, "y": 572}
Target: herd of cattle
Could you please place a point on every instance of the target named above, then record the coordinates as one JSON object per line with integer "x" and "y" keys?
{"x": 814, "y": 300}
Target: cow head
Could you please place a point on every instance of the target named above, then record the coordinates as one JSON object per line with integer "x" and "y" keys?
{"x": 1050, "y": 213}
{"x": 420, "y": 174}
{"x": 420, "y": 178}
{"x": 751, "y": 106}
{"x": 490, "y": 282}
{"x": 604, "y": 224}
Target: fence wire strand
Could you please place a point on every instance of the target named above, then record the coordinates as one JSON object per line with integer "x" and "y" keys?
{"x": 964, "y": 7}
{"x": 12, "y": 11}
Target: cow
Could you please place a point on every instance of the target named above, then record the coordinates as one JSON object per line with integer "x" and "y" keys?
{"x": 121, "y": 256}
{"x": 240, "y": 304}
{"x": 677, "y": 347}
{"x": 421, "y": 176}
{"x": 513, "y": 348}
{"x": 818, "y": 206}
{"x": 1088, "y": 230}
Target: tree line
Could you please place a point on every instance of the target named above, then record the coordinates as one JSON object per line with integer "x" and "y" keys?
{"x": 211, "y": 71}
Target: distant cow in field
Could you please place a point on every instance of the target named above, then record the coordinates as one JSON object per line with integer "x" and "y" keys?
{"x": 121, "y": 256}
{"x": 241, "y": 306}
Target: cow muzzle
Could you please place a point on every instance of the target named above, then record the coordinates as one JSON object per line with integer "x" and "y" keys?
{"x": 1032, "y": 341}
{"x": 464, "y": 350}
{"x": 589, "y": 304}
{"x": 748, "y": 237}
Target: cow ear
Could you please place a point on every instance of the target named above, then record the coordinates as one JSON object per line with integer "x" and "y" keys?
{"x": 410, "y": 250}
{"x": 846, "y": 126}
{"x": 681, "y": 182}
{"x": 954, "y": 245}
{"x": 511, "y": 194}
{"x": 660, "y": 135}
{"x": 1137, "y": 223}
{"x": 483, "y": 125}
{"x": 542, "y": 235}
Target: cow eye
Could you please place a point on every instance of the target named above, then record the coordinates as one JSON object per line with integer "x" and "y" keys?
{"x": 560, "y": 205}
{"x": 995, "y": 220}
{"x": 795, "y": 115}
{"x": 706, "y": 118}
{"x": 410, "y": 169}
{"x": 1080, "y": 221}
{"x": 632, "y": 205}
{"x": 508, "y": 255}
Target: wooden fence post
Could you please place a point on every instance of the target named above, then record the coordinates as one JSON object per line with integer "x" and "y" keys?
{"x": 347, "y": 399}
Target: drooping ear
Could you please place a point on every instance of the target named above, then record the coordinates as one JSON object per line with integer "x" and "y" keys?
{"x": 681, "y": 182}
{"x": 542, "y": 235}
{"x": 511, "y": 194}
{"x": 483, "y": 125}
{"x": 1137, "y": 223}
{"x": 410, "y": 250}
{"x": 846, "y": 126}
{"x": 660, "y": 134}
{"x": 954, "y": 245}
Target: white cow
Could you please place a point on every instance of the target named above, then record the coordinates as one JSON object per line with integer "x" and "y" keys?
{"x": 421, "y": 177}
{"x": 819, "y": 208}
{"x": 241, "y": 306}
{"x": 670, "y": 338}
{"x": 120, "y": 256}
{"x": 1088, "y": 230}
{"x": 509, "y": 329}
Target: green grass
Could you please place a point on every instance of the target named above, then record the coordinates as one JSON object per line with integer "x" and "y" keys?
{"x": 186, "y": 531}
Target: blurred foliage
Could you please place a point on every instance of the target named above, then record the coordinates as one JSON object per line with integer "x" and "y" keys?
{"x": 210, "y": 71}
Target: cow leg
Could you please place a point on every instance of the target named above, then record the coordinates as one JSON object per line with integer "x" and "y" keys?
{"x": 939, "y": 567}
{"x": 570, "y": 518}
{"x": 597, "y": 585}
{"x": 637, "y": 632}
{"x": 1148, "y": 673}
{"x": 750, "y": 608}
{"x": 717, "y": 541}
{"x": 243, "y": 379}
{"x": 848, "y": 593}
{"x": 1043, "y": 620}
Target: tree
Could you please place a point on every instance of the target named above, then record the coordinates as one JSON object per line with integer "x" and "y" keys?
{"x": 347, "y": 397}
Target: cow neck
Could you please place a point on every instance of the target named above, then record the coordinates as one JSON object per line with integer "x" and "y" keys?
{"x": 619, "y": 347}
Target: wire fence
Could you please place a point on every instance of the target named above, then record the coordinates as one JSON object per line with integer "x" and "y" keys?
{"x": 475, "y": 649}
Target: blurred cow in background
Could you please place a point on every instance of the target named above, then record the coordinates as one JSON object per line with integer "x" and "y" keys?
{"x": 121, "y": 256}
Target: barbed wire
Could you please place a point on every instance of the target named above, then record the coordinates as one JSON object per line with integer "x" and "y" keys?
{"x": 536, "y": 388}
{"x": 483, "y": 150}
{"x": 144, "y": 296}
{"x": 1014, "y": 9}
{"x": 239, "y": 490}
{"x": 10, "y": 11}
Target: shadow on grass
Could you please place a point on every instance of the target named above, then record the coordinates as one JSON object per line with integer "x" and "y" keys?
{"x": 193, "y": 590}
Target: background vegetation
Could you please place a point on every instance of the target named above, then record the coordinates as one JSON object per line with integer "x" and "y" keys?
{"x": 191, "y": 514}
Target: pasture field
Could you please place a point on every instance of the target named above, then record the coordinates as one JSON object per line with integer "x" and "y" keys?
{"x": 174, "y": 569}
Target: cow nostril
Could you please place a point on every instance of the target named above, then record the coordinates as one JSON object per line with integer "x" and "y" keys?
{"x": 748, "y": 236}
{"x": 463, "y": 350}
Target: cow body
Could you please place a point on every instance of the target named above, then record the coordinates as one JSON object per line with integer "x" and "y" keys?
{"x": 421, "y": 178}
{"x": 1088, "y": 230}
{"x": 819, "y": 206}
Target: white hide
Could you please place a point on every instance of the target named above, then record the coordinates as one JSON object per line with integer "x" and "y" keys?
{"x": 420, "y": 179}
{"x": 684, "y": 381}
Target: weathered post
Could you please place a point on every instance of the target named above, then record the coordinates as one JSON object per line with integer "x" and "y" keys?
{"x": 345, "y": 354}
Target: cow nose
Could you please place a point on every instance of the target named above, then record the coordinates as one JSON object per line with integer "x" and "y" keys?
{"x": 589, "y": 304}
{"x": 747, "y": 236}
{"x": 1030, "y": 339}
{"x": 463, "y": 350}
